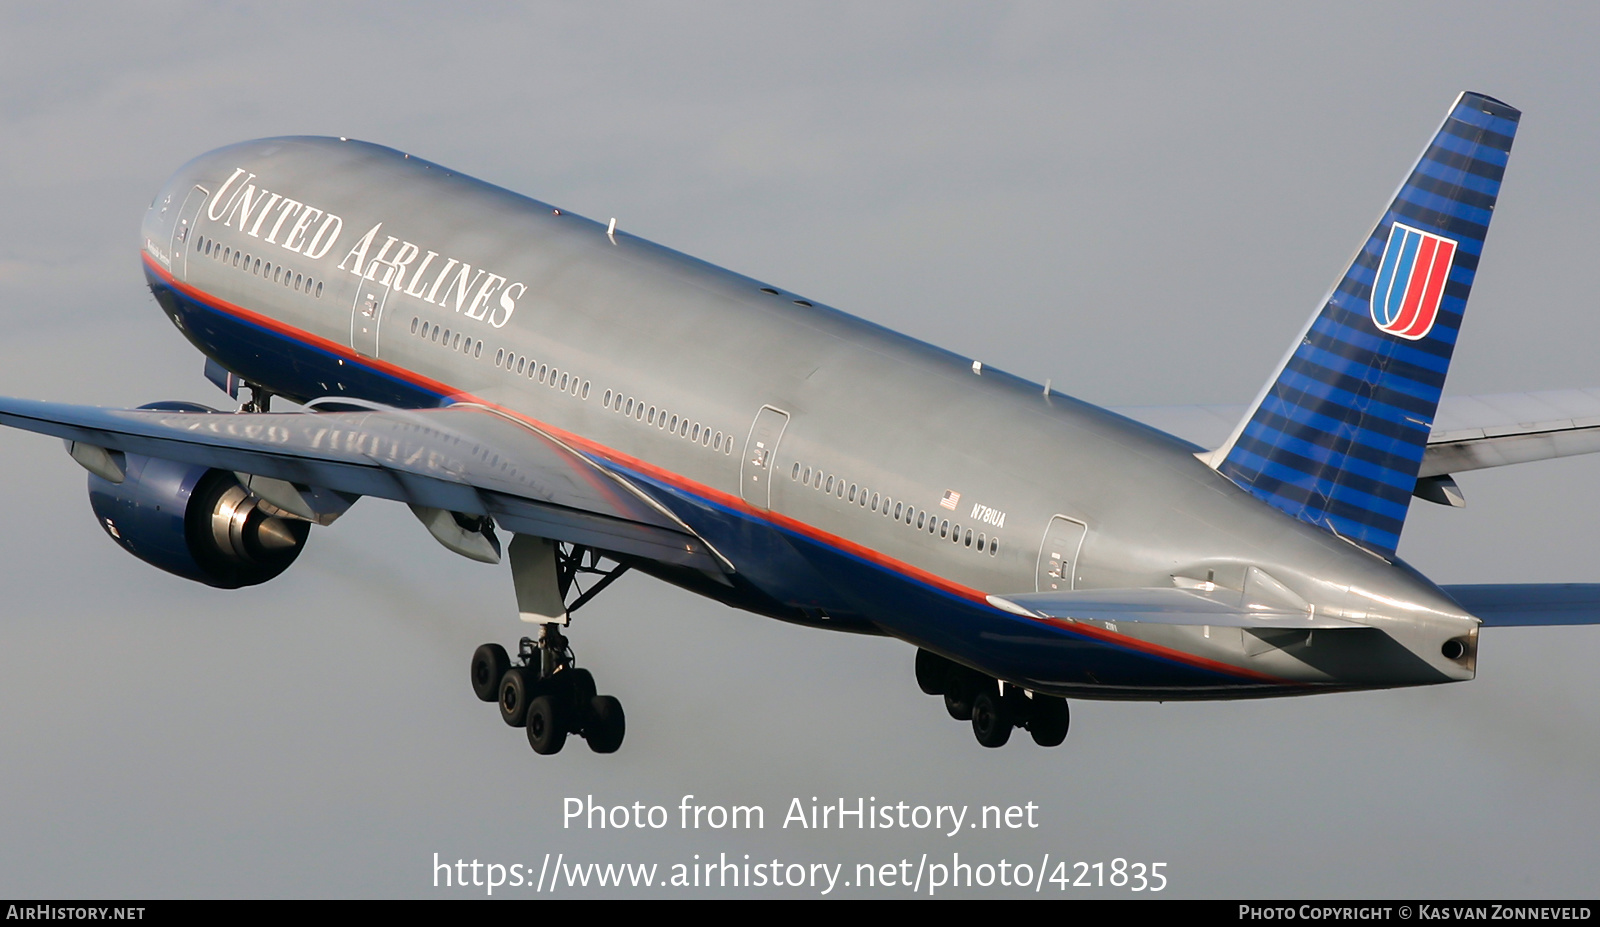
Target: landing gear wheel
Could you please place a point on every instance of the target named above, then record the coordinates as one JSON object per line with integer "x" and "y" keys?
{"x": 933, "y": 673}
{"x": 958, "y": 696}
{"x": 547, "y": 729}
{"x": 578, "y": 684}
{"x": 991, "y": 723}
{"x": 606, "y": 724}
{"x": 489, "y": 665}
{"x": 517, "y": 690}
{"x": 1049, "y": 721}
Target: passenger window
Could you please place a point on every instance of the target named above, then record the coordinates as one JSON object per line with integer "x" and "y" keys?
{"x": 874, "y": 502}
{"x": 414, "y": 323}
{"x": 795, "y": 473}
{"x": 830, "y": 485}
{"x": 852, "y": 492}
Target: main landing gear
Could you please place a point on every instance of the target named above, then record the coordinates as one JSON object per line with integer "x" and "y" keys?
{"x": 993, "y": 707}
{"x": 547, "y": 695}
{"x": 544, "y": 692}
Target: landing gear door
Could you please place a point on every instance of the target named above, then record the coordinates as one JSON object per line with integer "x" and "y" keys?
{"x": 1058, "y": 555}
{"x": 367, "y": 313}
{"x": 760, "y": 450}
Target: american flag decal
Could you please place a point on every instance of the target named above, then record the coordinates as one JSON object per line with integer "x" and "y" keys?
{"x": 951, "y": 499}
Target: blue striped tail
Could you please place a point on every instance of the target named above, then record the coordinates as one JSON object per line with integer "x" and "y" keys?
{"x": 1338, "y": 435}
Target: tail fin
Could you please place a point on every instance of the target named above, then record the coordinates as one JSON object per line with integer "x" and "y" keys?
{"x": 1337, "y": 434}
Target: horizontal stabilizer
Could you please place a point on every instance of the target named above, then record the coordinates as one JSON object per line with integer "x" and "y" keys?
{"x": 1469, "y": 432}
{"x": 1217, "y": 608}
{"x": 1525, "y": 605}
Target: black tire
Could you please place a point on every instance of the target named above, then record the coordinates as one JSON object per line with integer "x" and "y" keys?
{"x": 606, "y": 724}
{"x": 518, "y": 688}
{"x": 577, "y": 686}
{"x": 991, "y": 722}
{"x": 933, "y": 673}
{"x": 960, "y": 689}
{"x": 1049, "y": 720}
{"x": 489, "y": 664}
{"x": 547, "y": 729}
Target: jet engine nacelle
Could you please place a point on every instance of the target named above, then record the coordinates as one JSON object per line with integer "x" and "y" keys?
{"x": 196, "y": 522}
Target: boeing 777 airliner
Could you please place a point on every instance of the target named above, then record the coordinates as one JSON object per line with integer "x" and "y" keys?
{"x": 505, "y": 367}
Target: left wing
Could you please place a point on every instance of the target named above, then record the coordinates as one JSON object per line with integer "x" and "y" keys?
{"x": 463, "y": 458}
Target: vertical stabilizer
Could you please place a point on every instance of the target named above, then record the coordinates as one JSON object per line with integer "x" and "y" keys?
{"x": 1337, "y": 435}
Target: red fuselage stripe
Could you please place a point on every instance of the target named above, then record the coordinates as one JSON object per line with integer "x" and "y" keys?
{"x": 690, "y": 486}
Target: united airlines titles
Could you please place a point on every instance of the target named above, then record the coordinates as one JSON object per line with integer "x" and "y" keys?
{"x": 455, "y": 285}
{"x": 400, "y": 265}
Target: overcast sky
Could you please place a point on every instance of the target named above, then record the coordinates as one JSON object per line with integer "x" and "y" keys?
{"x": 1140, "y": 202}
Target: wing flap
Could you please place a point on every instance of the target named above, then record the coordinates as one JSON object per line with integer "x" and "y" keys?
{"x": 464, "y": 458}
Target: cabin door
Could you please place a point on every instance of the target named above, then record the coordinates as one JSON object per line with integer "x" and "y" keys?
{"x": 367, "y": 313}
{"x": 183, "y": 237}
{"x": 1058, "y": 555}
{"x": 760, "y": 450}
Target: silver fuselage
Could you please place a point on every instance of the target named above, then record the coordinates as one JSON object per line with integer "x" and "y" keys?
{"x": 554, "y": 318}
